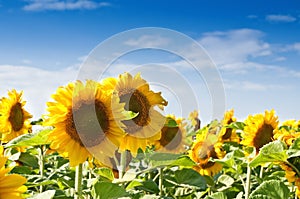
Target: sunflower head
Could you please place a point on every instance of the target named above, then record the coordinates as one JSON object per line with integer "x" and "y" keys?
{"x": 172, "y": 138}
{"x": 203, "y": 150}
{"x": 259, "y": 129}
{"x": 195, "y": 121}
{"x": 87, "y": 121}
{"x": 228, "y": 134}
{"x": 11, "y": 185}
{"x": 288, "y": 132}
{"x": 145, "y": 128}
{"x": 14, "y": 119}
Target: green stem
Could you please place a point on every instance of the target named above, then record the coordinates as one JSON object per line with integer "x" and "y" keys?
{"x": 41, "y": 165}
{"x": 122, "y": 166}
{"x": 248, "y": 182}
{"x": 78, "y": 182}
{"x": 261, "y": 172}
{"x": 160, "y": 182}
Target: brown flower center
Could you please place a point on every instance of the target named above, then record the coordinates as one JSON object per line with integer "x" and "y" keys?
{"x": 228, "y": 132}
{"x": 171, "y": 137}
{"x": 136, "y": 102}
{"x": 16, "y": 117}
{"x": 88, "y": 123}
{"x": 263, "y": 136}
{"x": 203, "y": 153}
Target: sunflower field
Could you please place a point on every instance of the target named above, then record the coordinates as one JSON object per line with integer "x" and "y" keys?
{"x": 110, "y": 139}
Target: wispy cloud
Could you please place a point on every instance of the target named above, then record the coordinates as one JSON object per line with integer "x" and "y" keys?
{"x": 252, "y": 16}
{"x": 37, "y": 84}
{"x": 60, "y": 5}
{"x": 148, "y": 40}
{"x": 280, "y": 18}
{"x": 235, "y": 46}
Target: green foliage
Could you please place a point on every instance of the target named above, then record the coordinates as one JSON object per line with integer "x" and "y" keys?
{"x": 105, "y": 190}
{"x": 272, "y": 189}
{"x": 272, "y": 152}
{"x": 32, "y": 139}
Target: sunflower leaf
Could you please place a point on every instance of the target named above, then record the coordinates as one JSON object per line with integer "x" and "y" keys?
{"x": 163, "y": 159}
{"x": 170, "y": 122}
{"x": 219, "y": 195}
{"x": 272, "y": 152}
{"x": 272, "y": 189}
{"x": 32, "y": 139}
{"x": 236, "y": 125}
{"x": 45, "y": 195}
{"x": 294, "y": 150}
{"x": 130, "y": 115}
{"x": 190, "y": 177}
{"x": 103, "y": 190}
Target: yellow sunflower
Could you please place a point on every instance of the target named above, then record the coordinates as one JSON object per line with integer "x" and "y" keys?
{"x": 195, "y": 121}
{"x": 14, "y": 119}
{"x": 203, "y": 150}
{"x": 288, "y": 132}
{"x": 292, "y": 177}
{"x": 11, "y": 185}
{"x": 87, "y": 121}
{"x": 144, "y": 129}
{"x": 228, "y": 134}
{"x": 259, "y": 129}
{"x": 173, "y": 139}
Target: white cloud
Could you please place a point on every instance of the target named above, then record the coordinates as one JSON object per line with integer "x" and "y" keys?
{"x": 37, "y": 84}
{"x": 280, "y": 18}
{"x": 235, "y": 46}
{"x": 148, "y": 40}
{"x": 252, "y": 16}
{"x": 60, "y": 5}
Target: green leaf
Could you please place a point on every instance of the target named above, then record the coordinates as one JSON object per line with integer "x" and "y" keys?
{"x": 236, "y": 125}
{"x": 105, "y": 172}
{"x": 272, "y": 189}
{"x": 183, "y": 161}
{"x": 170, "y": 122}
{"x": 104, "y": 190}
{"x": 190, "y": 177}
{"x": 149, "y": 186}
{"x": 134, "y": 183}
{"x": 29, "y": 160}
{"x": 163, "y": 159}
{"x": 32, "y": 139}
{"x": 45, "y": 195}
{"x": 272, "y": 152}
{"x": 219, "y": 195}
{"x": 294, "y": 150}
{"x": 129, "y": 115}
{"x": 226, "y": 180}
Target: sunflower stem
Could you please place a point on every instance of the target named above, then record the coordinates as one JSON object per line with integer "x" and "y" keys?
{"x": 160, "y": 182}
{"x": 248, "y": 182}
{"x": 261, "y": 172}
{"x": 122, "y": 164}
{"x": 41, "y": 166}
{"x": 78, "y": 182}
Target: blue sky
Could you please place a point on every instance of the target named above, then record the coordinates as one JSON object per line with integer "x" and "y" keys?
{"x": 255, "y": 46}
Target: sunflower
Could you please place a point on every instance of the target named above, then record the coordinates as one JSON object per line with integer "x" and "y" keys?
{"x": 11, "y": 185}
{"x": 259, "y": 129}
{"x": 228, "y": 134}
{"x": 14, "y": 119}
{"x": 195, "y": 121}
{"x": 172, "y": 138}
{"x": 288, "y": 132}
{"x": 145, "y": 128}
{"x": 203, "y": 150}
{"x": 291, "y": 177}
{"x": 87, "y": 121}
